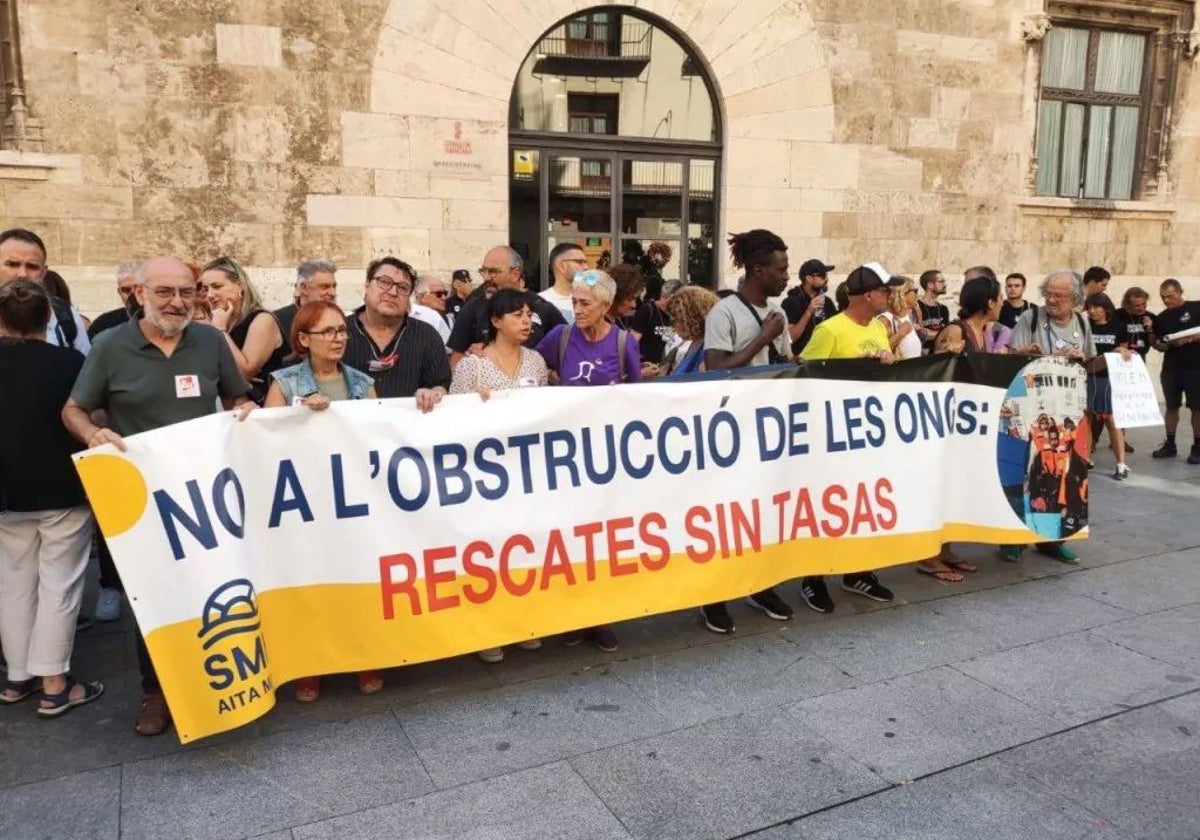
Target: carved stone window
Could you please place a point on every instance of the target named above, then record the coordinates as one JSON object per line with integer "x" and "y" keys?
{"x": 1109, "y": 74}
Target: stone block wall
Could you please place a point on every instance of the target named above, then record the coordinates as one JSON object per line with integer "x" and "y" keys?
{"x": 277, "y": 131}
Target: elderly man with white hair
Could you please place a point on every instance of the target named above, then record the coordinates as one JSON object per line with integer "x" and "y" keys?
{"x": 423, "y": 309}
{"x": 126, "y": 281}
{"x": 315, "y": 280}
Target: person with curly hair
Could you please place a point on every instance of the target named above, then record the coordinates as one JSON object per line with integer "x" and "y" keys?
{"x": 686, "y": 310}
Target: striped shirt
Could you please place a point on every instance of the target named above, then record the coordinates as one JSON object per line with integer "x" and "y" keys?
{"x": 414, "y": 358}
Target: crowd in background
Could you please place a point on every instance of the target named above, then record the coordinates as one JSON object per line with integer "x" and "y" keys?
{"x": 190, "y": 339}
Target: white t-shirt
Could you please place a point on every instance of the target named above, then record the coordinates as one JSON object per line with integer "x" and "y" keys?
{"x": 82, "y": 343}
{"x": 431, "y": 317}
{"x": 909, "y": 346}
{"x": 561, "y": 302}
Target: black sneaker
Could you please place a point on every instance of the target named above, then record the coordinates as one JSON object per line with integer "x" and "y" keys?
{"x": 867, "y": 585}
{"x": 717, "y": 619}
{"x": 816, "y": 595}
{"x": 1167, "y": 450}
{"x": 1194, "y": 455}
{"x": 771, "y": 605}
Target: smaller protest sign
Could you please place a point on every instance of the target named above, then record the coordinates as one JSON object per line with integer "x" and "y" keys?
{"x": 1135, "y": 404}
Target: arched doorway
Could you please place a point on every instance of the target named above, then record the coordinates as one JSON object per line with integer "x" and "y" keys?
{"x": 615, "y": 144}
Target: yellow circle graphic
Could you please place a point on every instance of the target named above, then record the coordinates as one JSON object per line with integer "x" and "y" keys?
{"x": 116, "y": 490}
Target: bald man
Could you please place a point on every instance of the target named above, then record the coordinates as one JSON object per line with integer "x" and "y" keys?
{"x": 152, "y": 371}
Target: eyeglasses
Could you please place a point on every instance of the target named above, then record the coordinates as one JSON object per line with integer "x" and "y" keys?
{"x": 125, "y": 291}
{"x": 330, "y": 333}
{"x": 441, "y": 294}
{"x": 492, "y": 272}
{"x": 386, "y": 284}
{"x": 165, "y": 294}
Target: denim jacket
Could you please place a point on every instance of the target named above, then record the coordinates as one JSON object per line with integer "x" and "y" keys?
{"x": 297, "y": 381}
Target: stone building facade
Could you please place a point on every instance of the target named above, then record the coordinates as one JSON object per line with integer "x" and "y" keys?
{"x": 278, "y": 130}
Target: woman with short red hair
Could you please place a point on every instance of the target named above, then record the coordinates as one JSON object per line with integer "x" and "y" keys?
{"x": 318, "y": 339}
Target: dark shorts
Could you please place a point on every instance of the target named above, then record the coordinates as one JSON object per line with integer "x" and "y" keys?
{"x": 1180, "y": 384}
{"x": 1099, "y": 395}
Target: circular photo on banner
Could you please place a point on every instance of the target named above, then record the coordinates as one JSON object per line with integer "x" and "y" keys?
{"x": 1045, "y": 446}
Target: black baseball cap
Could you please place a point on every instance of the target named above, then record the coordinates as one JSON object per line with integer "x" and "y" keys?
{"x": 461, "y": 274}
{"x": 869, "y": 277}
{"x": 814, "y": 267}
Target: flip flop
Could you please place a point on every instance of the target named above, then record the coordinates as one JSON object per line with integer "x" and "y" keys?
{"x": 62, "y": 702}
{"x": 944, "y": 575}
{"x": 22, "y": 688}
{"x": 960, "y": 565}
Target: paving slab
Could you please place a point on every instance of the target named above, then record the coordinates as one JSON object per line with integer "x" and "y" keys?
{"x": 546, "y": 803}
{"x": 265, "y": 784}
{"x": 476, "y": 736}
{"x": 1078, "y": 677}
{"x": 1015, "y": 615}
{"x": 1151, "y": 585}
{"x": 82, "y": 805}
{"x": 1138, "y": 770}
{"x": 985, "y": 800}
{"x": 1171, "y": 636}
{"x": 888, "y": 643}
{"x": 917, "y": 724}
{"x": 91, "y": 737}
{"x": 723, "y": 778}
{"x": 738, "y": 675}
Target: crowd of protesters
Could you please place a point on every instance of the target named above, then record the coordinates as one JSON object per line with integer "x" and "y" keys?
{"x": 191, "y": 339}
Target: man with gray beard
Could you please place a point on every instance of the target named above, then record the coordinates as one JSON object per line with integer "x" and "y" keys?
{"x": 155, "y": 370}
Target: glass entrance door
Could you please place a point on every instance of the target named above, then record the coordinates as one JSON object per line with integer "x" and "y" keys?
{"x": 655, "y": 211}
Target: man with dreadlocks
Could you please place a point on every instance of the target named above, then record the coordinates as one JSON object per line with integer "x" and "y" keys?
{"x": 743, "y": 330}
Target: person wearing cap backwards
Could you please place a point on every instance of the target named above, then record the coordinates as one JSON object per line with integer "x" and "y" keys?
{"x": 743, "y": 330}
{"x": 807, "y": 305}
{"x": 856, "y": 333}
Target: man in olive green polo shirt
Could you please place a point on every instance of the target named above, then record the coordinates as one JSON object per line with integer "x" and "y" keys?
{"x": 152, "y": 372}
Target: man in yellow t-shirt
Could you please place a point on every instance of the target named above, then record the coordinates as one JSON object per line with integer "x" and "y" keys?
{"x": 855, "y": 333}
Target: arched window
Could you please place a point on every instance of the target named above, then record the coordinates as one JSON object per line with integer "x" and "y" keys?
{"x": 615, "y": 140}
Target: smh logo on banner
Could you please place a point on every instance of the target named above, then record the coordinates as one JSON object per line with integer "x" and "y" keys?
{"x": 235, "y": 657}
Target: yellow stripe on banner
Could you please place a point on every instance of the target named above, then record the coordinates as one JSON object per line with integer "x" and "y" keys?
{"x": 337, "y": 628}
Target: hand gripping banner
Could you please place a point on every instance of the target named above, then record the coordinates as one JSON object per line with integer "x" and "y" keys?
{"x": 370, "y": 536}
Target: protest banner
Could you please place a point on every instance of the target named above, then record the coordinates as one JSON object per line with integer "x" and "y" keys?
{"x": 369, "y": 535}
{"x": 1134, "y": 400}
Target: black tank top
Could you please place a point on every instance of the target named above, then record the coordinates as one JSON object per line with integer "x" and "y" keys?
{"x": 260, "y": 383}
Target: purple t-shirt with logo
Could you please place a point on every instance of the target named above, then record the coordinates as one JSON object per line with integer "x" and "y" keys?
{"x": 590, "y": 362}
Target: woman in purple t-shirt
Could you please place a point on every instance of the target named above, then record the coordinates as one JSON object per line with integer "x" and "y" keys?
{"x": 592, "y": 351}
{"x": 589, "y": 351}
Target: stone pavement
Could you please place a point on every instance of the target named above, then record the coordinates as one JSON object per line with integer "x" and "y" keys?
{"x": 1035, "y": 701}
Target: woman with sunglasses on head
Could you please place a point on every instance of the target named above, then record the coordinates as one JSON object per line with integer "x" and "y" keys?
{"x": 254, "y": 335}
{"x": 902, "y": 325}
{"x": 503, "y": 364}
{"x": 592, "y": 351}
{"x": 318, "y": 340}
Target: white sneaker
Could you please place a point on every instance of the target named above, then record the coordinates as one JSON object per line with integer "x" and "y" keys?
{"x": 108, "y": 605}
{"x": 530, "y": 644}
{"x": 492, "y": 655}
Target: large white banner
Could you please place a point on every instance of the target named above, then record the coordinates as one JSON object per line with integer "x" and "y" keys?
{"x": 369, "y": 535}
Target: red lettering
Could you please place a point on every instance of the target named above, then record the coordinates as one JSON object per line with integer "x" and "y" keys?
{"x": 691, "y": 523}
{"x": 514, "y": 542}
{"x": 588, "y": 532}
{"x": 617, "y": 545}
{"x": 883, "y": 498}
{"x": 654, "y": 540}
{"x": 804, "y": 517}
{"x": 556, "y": 561}
{"x": 433, "y": 577}
{"x": 834, "y": 508}
{"x": 779, "y": 500}
{"x": 747, "y": 527}
{"x": 479, "y": 571}
{"x": 863, "y": 514}
{"x": 389, "y": 587}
